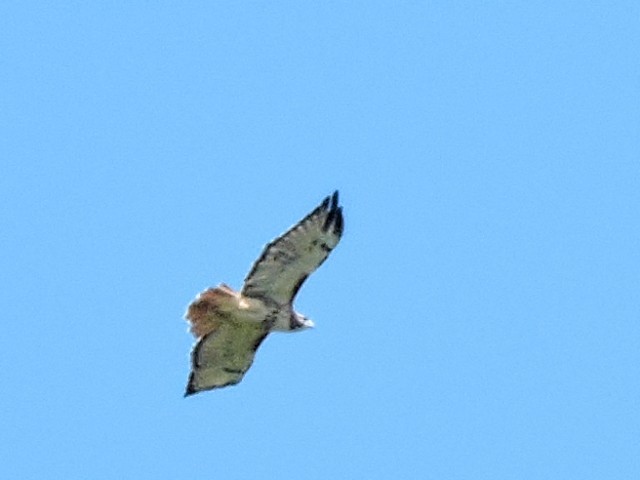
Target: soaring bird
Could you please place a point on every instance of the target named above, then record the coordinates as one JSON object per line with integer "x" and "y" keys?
{"x": 230, "y": 326}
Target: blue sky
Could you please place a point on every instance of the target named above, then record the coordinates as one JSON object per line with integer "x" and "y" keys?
{"x": 479, "y": 320}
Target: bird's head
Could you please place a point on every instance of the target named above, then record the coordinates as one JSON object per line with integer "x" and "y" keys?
{"x": 301, "y": 322}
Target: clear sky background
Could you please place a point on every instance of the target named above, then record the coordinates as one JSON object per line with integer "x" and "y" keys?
{"x": 479, "y": 320}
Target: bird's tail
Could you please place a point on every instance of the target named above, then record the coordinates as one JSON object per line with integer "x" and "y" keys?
{"x": 209, "y": 308}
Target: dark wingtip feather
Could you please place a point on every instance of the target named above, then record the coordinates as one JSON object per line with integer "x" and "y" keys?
{"x": 189, "y": 390}
{"x": 191, "y": 386}
{"x": 339, "y": 223}
{"x": 335, "y": 214}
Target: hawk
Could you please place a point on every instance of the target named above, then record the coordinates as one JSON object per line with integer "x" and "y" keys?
{"x": 230, "y": 326}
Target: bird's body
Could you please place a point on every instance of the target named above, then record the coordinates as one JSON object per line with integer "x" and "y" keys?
{"x": 230, "y": 325}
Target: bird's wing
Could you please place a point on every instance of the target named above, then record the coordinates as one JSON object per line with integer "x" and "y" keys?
{"x": 288, "y": 260}
{"x": 223, "y": 355}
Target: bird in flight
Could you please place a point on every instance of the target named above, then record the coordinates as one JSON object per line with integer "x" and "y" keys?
{"x": 230, "y": 326}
